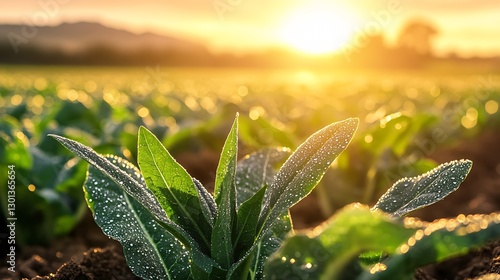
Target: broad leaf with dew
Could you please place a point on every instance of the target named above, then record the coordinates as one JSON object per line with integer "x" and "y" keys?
{"x": 171, "y": 227}
{"x": 304, "y": 168}
{"x": 201, "y": 265}
{"x": 151, "y": 251}
{"x": 256, "y": 170}
{"x": 329, "y": 248}
{"x": 436, "y": 242}
{"x": 173, "y": 187}
{"x": 297, "y": 178}
{"x": 409, "y": 194}
{"x": 222, "y": 247}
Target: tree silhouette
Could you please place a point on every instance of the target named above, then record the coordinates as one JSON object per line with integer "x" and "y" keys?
{"x": 416, "y": 36}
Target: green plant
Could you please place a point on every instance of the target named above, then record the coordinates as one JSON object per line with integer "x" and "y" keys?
{"x": 376, "y": 159}
{"x": 48, "y": 177}
{"x": 170, "y": 227}
{"x": 363, "y": 243}
{"x": 49, "y": 199}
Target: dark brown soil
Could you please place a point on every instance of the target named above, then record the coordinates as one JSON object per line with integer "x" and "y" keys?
{"x": 85, "y": 255}
{"x": 88, "y": 254}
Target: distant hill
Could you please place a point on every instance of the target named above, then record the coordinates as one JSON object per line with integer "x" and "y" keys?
{"x": 77, "y": 37}
{"x": 89, "y": 43}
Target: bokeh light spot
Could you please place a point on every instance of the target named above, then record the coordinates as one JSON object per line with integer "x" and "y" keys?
{"x": 368, "y": 138}
{"x": 242, "y": 91}
{"x": 143, "y": 112}
{"x": 491, "y": 107}
{"x": 16, "y": 99}
{"x": 40, "y": 84}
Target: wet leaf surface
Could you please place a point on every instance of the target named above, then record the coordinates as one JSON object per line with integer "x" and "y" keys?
{"x": 437, "y": 241}
{"x": 129, "y": 184}
{"x": 409, "y": 194}
{"x": 207, "y": 203}
{"x": 305, "y": 167}
{"x": 173, "y": 187}
{"x": 328, "y": 249}
{"x": 222, "y": 248}
{"x": 151, "y": 251}
{"x": 201, "y": 265}
{"x": 247, "y": 221}
{"x": 256, "y": 170}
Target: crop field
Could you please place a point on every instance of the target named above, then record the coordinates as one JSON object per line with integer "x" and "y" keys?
{"x": 403, "y": 119}
{"x": 306, "y": 140}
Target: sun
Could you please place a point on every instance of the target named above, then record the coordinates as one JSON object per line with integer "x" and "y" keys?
{"x": 317, "y": 30}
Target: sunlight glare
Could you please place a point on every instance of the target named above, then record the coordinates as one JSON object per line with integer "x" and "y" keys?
{"x": 317, "y": 29}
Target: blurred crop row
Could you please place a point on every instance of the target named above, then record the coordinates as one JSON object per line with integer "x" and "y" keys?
{"x": 403, "y": 120}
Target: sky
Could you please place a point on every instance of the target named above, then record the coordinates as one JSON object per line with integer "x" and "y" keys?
{"x": 465, "y": 27}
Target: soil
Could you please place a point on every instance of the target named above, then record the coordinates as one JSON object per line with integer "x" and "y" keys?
{"x": 88, "y": 254}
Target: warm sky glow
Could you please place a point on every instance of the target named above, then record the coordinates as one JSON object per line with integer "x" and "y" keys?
{"x": 317, "y": 29}
{"x": 467, "y": 27}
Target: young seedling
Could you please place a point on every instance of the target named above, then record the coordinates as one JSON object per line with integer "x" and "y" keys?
{"x": 363, "y": 243}
{"x": 170, "y": 227}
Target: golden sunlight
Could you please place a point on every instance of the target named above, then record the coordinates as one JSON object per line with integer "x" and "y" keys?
{"x": 317, "y": 30}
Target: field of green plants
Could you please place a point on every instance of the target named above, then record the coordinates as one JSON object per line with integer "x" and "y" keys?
{"x": 403, "y": 119}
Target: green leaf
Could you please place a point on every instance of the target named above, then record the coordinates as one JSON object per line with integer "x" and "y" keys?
{"x": 201, "y": 265}
{"x": 225, "y": 197}
{"x": 437, "y": 241}
{"x": 151, "y": 251}
{"x": 298, "y": 176}
{"x": 77, "y": 115}
{"x": 14, "y": 144}
{"x": 248, "y": 218}
{"x": 305, "y": 167}
{"x": 46, "y": 168}
{"x": 329, "y": 249}
{"x": 129, "y": 184}
{"x": 173, "y": 187}
{"x": 271, "y": 241}
{"x": 17, "y": 111}
{"x": 253, "y": 172}
{"x": 397, "y": 132}
{"x": 208, "y": 206}
{"x": 409, "y": 194}
{"x": 284, "y": 264}
{"x": 256, "y": 170}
